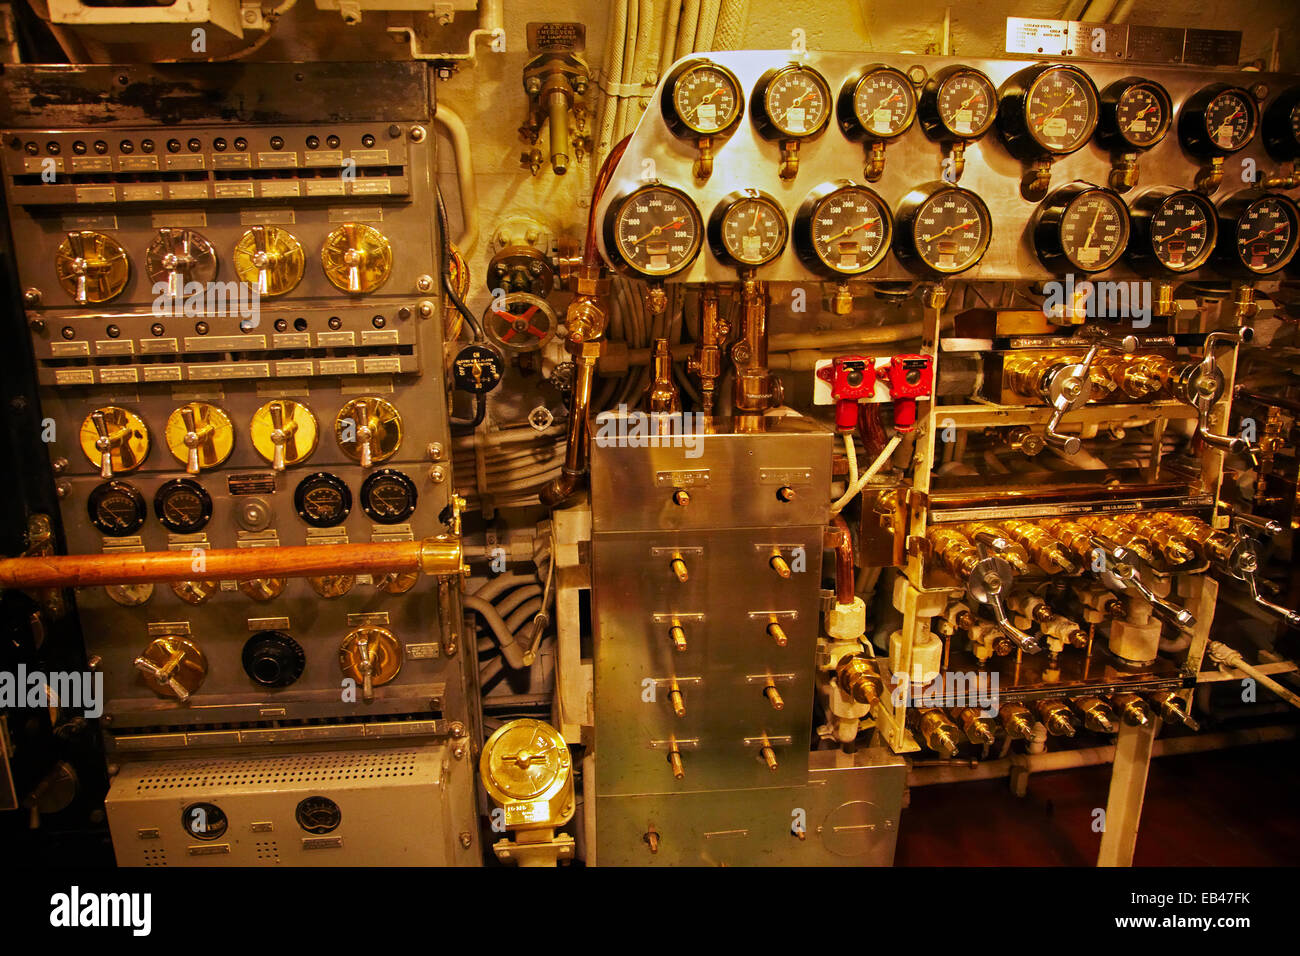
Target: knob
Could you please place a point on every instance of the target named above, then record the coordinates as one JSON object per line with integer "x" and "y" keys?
{"x": 372, "y": 656}
{"x": 677, "y": 636}
{"x": 679, "y": 569}
{"x": 681, "y": 497}
{"x": 368, "y": 430}
{"x": 356, "y": 258}
{"x": 273, "y": 659}
{"x": 194, "y": 592}
{"x": 177, "y": 257}
{"x": 91, "y": 266}
{"x": 1069, "y": 386}
{"x": 284, "y": 432}
{"x": 270, "y": 259}
{"x": 773, "y": 695}
{"x": 173, "y": 667}
{"x": 1201, "y": 385}
{"x": 1122, "y": 574}
{"x": 115, "y": 440}
{"x": 199, "y": 435}
{"x": 262, "y": 589}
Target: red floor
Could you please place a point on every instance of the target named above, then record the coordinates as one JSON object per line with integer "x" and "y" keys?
{"x": 1227, "y": 808}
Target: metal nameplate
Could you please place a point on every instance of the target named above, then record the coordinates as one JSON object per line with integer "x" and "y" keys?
{"x": 696, "y": 478}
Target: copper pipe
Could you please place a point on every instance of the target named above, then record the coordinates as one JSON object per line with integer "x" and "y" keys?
{"x": 431, "y": 556}
{"x": 590, "y": 256}
{"x": 753, "y": 389}
{"x": 706, "y": 362}
{"x": 843, "y": 544}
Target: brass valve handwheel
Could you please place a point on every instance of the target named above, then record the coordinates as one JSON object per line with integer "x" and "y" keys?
{"x": 357, "y": 258}
{"x": 91, "y": 266}
{"x": 115, "y": 440}
{"x": 270, "y": 259}
{"x": 368, "y": 430}
{"x": 284, "y": 432}
{"x": 179, "y": 256}
{"x": 199, "y": 435}
{"x": 371, "y": 656}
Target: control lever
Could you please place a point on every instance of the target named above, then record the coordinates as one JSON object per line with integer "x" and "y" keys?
{"x": 1266, "y": 525}
{"x": 103, "y": 444}
{"x": 1201, "y": 385}
{"x": 364, "y": 432}
{"x": 281, "y": 434}
{"x": 77, "y": 246}
{"x": 194, "y": 437}
{"x": 165, "y": 674}
{"x": 1243, "y": 564}
{"x": 1066, "y": 388}
{"x": 1122, "y": 573}
{"x": 988, "y": 581}
{"x": 367, "y": 668}
{"x": 262, "y": 260}
{"x": 178, "y": 260}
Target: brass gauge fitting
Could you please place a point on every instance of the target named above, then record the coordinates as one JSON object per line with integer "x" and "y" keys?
{"x": 1097, "y": 715}
{"x": 979, "y": 728}
{"x": 368, "y": 430}
{"x": 114, "y": 439}
{"x": 199, "y": 435}
{"x": 860, "y": 679}
{"x": 1136, "y": 377}
{"x": 284, "y": 432}
{"x": 1048, "y": 553}
{"x": 194, "y": 592}
{"x": 1172, "y": 546}
{"x": 954, "y": 551}
{"x": 357, "y": 258}
{"x": 1017, "y": 721}
{"x": 1132, "y": 709}
{"x": 1003, "y": 545}
{"x": 938, "y": 732}
{"x": 1073, "y": 536}
{"x": 395, "y": 582}
{"x": 1057, "y": 717}
{"x": 332, "y": 585}
{"x": 172, "y": 667}
{"x": 1173, "y": 709}
{"x": 372, "y": 657}
{"x": 262, "y": 589}
{"x": 1112, "y": 529}
{"x": 91, "y": 266}
{"x": 1211, "y": 544}
{"x": 270, "y": 259}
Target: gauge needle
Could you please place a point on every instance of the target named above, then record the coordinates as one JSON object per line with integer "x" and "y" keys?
{"x": 786, "y": 115}
{"x": 887, "y": 100}
{"x": 1176, "y": 232}
{"x": 1068, "y": 100}
{"x": 753, "y": 226}
{"x": 1218, "y": 133}
{"x": 1264, "y": 234}
{"x": 969, "y": 99}
{"x": 964, "y": 224}
{"x": 849, "y": 230}
{"x": 658, "y": 229}
{"x": 705, "y": 99}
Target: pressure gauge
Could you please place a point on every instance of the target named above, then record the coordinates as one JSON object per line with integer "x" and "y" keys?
{"x": 878, "y": 102}
{"x": 842, "y": 229}
{"x": 747, "y": 229}
{"x": 322, "y": 500}
{"x": 1082, "y": 227}
{"x": 791, "y": 102}
{"x": 1282, "y": 126}
{"x": 1257, "y": 233}
{"x": 942, "y": 229}
{"x": 183, "y": 506}
{"x": 388, "y": 496}
{"x": 1173, "y": 228}
{"x": 270, "y": 259}
{"x": 117, "y": 509}
{"x": 701, "y": 99}
{"x": 1047, "y": 110}
{"x": 654, "y": 231}
{"x": 1218, "y": 120}
{"x": 957, "y": 103}
{"x": 1135, "y": 114}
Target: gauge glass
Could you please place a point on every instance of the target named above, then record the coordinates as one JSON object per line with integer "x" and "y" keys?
{"x": 1181, "y": 229}
{"x": 951, "y": 230}
{"x": 1142, "y": 115}
{"x": 706, "y": 99}
{"x": 884, "y": 103}
{"x": 657, "y": 231}
{"x": 1229, "y": 120}
{"x": 116, "y": 509}
{"x": 1266, "y": 234}
{"x": 1094, "y": 230}
{"x": 388, "y": 496}
{"x": 322, "y": 500}
{"x": 797, "y": 101}
{"x": 1061, "y": 110}
{"x": 850, "y": 230}
{"x": 183, "y": 506}
{"x": 965, "y": 102}
{"x": 753, "y": 231}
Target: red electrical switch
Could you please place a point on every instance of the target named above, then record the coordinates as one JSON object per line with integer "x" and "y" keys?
{"x": 910, "y": 377}
{"x": 851, "y": 378}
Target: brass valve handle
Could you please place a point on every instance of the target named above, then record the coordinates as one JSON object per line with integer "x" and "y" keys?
{"x": 1068, "y": 387}
{"x": 281, "y": 434}
{"x": 103, "y": 444}
{"x": 195, "y": 436}
{"x": 165, "y": 674}
{"x": 1201, "y": 386}
{"x": 1122, "y": 574}
{"x": 364, "y": 433}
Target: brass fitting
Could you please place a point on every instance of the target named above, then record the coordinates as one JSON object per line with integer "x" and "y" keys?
{"x": 1048, "y": 553}
{"x": 1057, "y": 717}
{"x": 1017, "y": 721}
{"x": 859, "y": 678}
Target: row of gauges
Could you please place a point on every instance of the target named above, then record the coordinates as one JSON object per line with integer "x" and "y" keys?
{"x": 93, "y": 267}
{"x": 843, "y": 229}
{"x": 1042, "y": 110}
{"x": 183, "y": 506}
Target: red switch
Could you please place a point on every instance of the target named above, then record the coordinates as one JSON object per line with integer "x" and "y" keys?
{"x": 910, "y": 377}
{"x": 851, "y": 377}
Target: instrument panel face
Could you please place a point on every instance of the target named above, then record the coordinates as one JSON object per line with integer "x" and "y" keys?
{"x": 1141, "y": 114}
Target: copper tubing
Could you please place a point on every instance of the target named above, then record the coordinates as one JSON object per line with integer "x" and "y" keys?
{"x": 575, "y": 449}
{"x": 590, "y": 256}
{"x": 753, "y": 389}
{"x": 844, "y": 583}
{"x": 431, "y": 556}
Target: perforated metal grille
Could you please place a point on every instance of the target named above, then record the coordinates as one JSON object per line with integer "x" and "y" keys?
{"x": 307, "y": 768}
{"x": 155, "y": 857}
{"x": 267, "y": 851}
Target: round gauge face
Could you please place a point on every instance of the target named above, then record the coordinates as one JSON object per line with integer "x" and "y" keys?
{"x": 1094, "y": 230}
{"x": 1142, "y": 115}
{"x": 1266, "y": 234}
{"x": 951, "y": 230}
{"x": 1061, "y": 110}
{"x": 1230, "y": 120}
{"x": 204, "y": 821}
{"x": 1182, "y": 231}
{"x": 849, "y": 230}
{"x": 966, "y": 103}
{"x": 706, "y": 99}
{"x": 116, "y": 509}
{"x": 884, "y": 103}
{"x": 656, "y": 231}
{"x": 183, "y": 506}
{"x": 318, "y": 815}
{"x": 752, "y": 230}
{"x": 798, "y": 102}
{"x": 322, "y": 500}
{"x": 388, "y": 496}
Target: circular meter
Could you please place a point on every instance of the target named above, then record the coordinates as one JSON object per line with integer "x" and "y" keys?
{"x": 842, "y": 229}
{"x": 791, "y": 102}
{"x": 1173, "y": 228}
{"x": 1081, "y": 227}
{"x": 876, "y": 103}
{"x": 942, "y": 229}
{"x": 654, "y": 231}
{"x": 1257, "y": 233}
{"x": 1218, "y": 120}
{"x": 957, "y": 103}
{"x": 747, "y": 229}
{"x": 1047, "y": 110}
{"x": 1282, "y": 126}
{"x": 1136, "y": 113}
{"x": 701, "y": 98}
{"x": 527, "y": 770}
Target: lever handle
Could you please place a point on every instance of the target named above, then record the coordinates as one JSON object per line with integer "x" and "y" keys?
{"x": 1205, "y": 387}
{"x": 192, "y": 439}
{"x": 1244, "y": 567}
{"x": 364, "y": 433}
{"x": 987, "y": 582}
{"x": 103, "y": 444}
{"x": 1069, "y": 388}
{"x": 367, "y": 668}
{"x": 1122, "y": 573}
{"x": 165, "y": 674}
{"x": 280, "y": 436}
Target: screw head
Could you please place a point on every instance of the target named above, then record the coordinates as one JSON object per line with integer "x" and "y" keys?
{"x": 424, "y": 283}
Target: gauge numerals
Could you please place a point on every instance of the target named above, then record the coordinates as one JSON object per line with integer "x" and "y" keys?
{"x": 957, "y": 103}
{"x": 747, "y": 229}
{"x": 1136, "y": 114}
{"x": 876, "y": 103}
{"x": 1081, "y": 227}
{"x": 942, "y": 230}
{"x": 654, "y": 231}
{"x": 1173, "y": 230}
{"x": 1047, "y": 111}
{"x": 1257, "y": 233}
{"x": 701, "y": 99}
{"x": 842, "y": 229}
{"x": 791, "y": 102}
{"x": 1218, "y": 120}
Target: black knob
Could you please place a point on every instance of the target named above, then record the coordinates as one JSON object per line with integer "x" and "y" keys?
{"x": 273, "y": 659}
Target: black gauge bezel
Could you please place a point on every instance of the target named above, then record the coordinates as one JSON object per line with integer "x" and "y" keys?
{"x": 931, "y": 117}
{"x": 677, "y": 124}
{"x": 1049, "y": 220}
{"x": 1227, "y": 251}
{"x": 313, "y": 804}
{"x": 296, "y": 655}
{"x": 763, "y": 121}
{"x": 718, "y": 219}
{"x": 215, "y": 818}
{"x": 904, "y": 244}
{"x": 127, "y": 491}
{"x": 1280, "y": 137}
{"x": 1109, "y": 133}
{"x": 846, "y": 105}
{"x": 367, "y": 487}
{"x": 1193, "y": 129}
{"x": 167, "y": 489}
{"x": 1013, "y": 110}
{"x": 1141, "y": 250}
{"x": 614, "y": 213}
{"x": 321, "y": 479}
{"x": 805, "y": 244}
